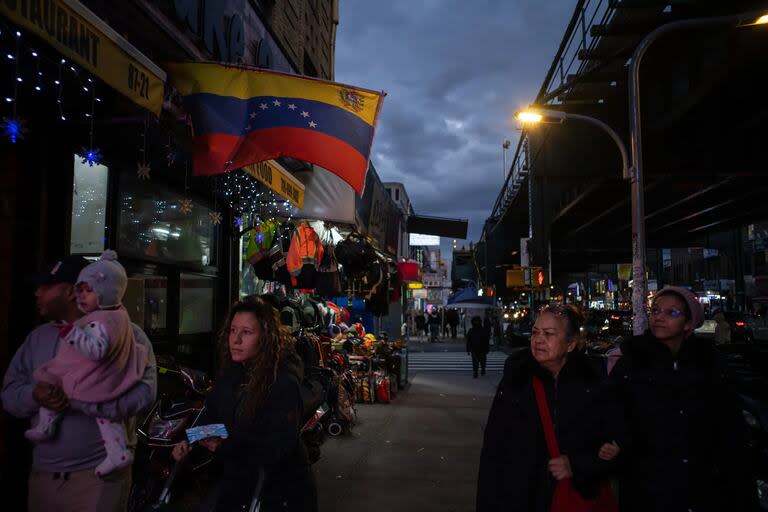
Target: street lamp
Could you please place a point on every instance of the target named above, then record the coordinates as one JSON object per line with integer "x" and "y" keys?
{"x": 537, "y": 115}
{"x": 639, "y": 285}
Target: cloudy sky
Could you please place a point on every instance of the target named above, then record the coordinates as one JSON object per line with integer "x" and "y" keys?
{"x": 454, "y": 72}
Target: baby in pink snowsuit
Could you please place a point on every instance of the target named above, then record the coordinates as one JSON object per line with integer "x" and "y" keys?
{"x": 98, "y": 358}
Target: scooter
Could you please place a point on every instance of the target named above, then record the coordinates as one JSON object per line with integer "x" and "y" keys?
{"x": 179, "y": 406}
{"x": 315, "y": 392}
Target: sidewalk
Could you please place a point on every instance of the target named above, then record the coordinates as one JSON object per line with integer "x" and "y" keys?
{"x": 421, "y": 452}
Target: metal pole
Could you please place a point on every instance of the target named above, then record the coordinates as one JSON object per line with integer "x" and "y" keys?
{"x": 611, "y": 133}
{"x": 504, "y": 164}
{"x": 504, "y": 147}
{"x": 639, "y": 284}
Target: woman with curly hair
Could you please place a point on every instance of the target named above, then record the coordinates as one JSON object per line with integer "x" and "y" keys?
{"x": 257, "y": 397}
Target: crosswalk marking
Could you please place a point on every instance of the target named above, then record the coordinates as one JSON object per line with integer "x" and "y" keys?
{"x": 452, "y": 361}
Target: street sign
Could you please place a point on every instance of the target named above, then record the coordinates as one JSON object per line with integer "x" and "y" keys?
{"x": 515, "y": 278}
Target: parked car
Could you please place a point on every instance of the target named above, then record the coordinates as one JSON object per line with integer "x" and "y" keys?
{"x": 741, "y": 328}
{"x": 620, "y": 322}
{"x": 595, "y": 324}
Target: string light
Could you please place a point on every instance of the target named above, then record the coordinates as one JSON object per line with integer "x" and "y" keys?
{"x": 60, "y": 91}
{"x": 92, "y": 155}
{"x": 13, "y": 128}
{"x": 38, "y": 74}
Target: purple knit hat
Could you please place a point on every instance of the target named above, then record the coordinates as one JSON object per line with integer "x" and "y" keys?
{"x": 694, "y": 306}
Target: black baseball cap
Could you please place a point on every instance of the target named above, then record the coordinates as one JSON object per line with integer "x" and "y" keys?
{"x": 64, "y": 270}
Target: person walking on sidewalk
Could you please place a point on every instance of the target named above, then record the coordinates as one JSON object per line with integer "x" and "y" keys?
{"x": 421, "y": 324}
{"x": 258, "y": 398}
{"x": 687, "y": 445}
{"x": 63, "y": 476}
{"x": 478, "y": 345}
{"x": 518, "y": 470}
{"x": 453, "y": 322}
{"x": 434, "y": 326}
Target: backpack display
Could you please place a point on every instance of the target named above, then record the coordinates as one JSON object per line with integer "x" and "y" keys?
{"x": 328, "y": 278}
{"x": 355, "y": 253}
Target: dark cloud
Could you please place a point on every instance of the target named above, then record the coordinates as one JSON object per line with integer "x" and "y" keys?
{"x": 455, "y": 72}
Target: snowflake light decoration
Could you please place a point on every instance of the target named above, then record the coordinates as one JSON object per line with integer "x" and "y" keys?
{"x": 185, "y": 206}
{"x": 91, "y": 156}
{"x": 215, "y": 218}
{"x": 13, "y": 128}
{"x": 143, "y": 170}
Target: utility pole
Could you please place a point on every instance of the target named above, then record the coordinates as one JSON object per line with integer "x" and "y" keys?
{"x": 504, "y": 147}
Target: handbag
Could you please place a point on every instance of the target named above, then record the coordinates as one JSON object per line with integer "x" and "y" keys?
{"x": 566, "y": 498}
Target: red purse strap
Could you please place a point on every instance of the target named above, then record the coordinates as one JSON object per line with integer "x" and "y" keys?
{"x": 546, "y": 419}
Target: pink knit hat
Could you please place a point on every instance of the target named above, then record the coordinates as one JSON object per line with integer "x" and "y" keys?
{"x": 694, "y": 306}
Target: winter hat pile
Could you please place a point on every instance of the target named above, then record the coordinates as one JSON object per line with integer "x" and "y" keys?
{"x": 107, "y": 278}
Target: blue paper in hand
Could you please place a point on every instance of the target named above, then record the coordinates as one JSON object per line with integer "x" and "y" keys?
{"x": 195, "y": 434}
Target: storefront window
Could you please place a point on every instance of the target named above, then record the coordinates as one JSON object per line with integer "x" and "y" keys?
{"x": 89, "y": 207}
{"x": 196, "y": 304}
{"x": 146, "y": 299}
{"x": 158, "y": 223}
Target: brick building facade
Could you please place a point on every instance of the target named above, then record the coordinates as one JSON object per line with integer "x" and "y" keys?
{"x": 306, "y": 29}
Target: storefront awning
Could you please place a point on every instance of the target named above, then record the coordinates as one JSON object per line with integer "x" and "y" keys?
{"x": 82, "y": 37}
{"x": 438, "y": 226}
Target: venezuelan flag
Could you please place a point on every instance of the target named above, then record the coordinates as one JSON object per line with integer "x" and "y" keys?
{"x": 242, "y": 116}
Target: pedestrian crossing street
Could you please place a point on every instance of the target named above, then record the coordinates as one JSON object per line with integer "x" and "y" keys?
{"x": 452, "y": 361}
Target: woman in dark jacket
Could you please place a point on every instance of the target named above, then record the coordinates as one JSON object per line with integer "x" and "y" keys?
{"x": 687, "y": 438}
{"x": 257, "y": 397}
{"x": 478, "y": 344}
{"x": 516, "y": 471}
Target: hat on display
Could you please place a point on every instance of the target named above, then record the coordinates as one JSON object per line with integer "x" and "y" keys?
{"x": 309, "y": 313}
{"x": 290, "y": 319}
{"x": 107, "y": 278}
{"x": 694, "y": 306}
{"x": 64, "y": 270}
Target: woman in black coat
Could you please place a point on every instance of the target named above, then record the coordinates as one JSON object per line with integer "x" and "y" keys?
{"x": 257, "y": 397}
{"x": 687, "y": 445}
{"x": 516, "y": 471}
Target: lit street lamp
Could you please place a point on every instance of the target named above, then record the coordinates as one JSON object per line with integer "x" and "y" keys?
{"x": 634, "y": 173}
{"x": 537, "y": 115}
{"x": 639, "y": 284}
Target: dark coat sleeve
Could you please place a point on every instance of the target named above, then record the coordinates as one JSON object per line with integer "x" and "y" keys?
{"x": 211, "y": 412}
{"x": 505, "y": 478}
{"x": 606, "y": 424}
{"x": 272, "y": 434}
{"x": 732, "y": 453}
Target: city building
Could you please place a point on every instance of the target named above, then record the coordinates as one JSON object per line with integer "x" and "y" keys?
{"x": 703, "y": 211}
{"x": 399, "y": 195}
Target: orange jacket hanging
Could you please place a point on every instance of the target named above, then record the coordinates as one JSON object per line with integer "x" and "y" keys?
{"x": 305, "y": 249}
